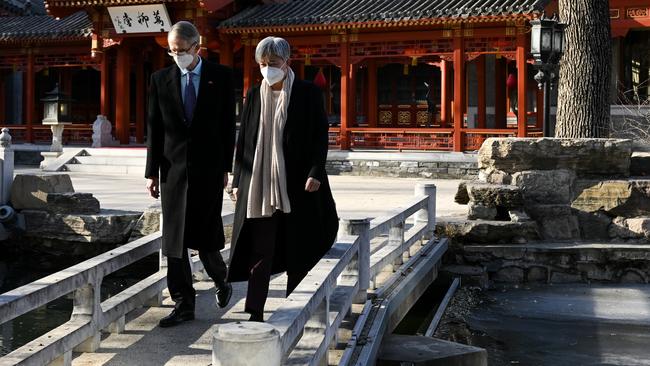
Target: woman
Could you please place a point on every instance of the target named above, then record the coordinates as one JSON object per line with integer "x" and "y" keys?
{"x": 285, "y": 216}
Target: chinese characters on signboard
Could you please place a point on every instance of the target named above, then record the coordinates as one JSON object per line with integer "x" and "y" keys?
{"x": 140, "y": 19}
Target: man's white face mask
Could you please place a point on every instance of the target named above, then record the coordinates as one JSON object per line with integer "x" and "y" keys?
{"x": 183, "y": 61}
{"x": 272, "y": 75}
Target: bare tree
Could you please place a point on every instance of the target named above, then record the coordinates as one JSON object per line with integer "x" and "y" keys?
{"x": 634, "y": 123}
{"x": 583, "y": 90}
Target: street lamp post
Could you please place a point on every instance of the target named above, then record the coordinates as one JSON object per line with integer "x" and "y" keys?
{"x": 547, "y": 47}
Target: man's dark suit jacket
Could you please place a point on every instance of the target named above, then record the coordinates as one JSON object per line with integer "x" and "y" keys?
{"x": 191, "y": 157}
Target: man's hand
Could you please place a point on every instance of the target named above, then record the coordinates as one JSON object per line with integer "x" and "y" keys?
{"x": 153, "y": 186}
{"x": 225, "y": 179}
{"x": 312, "y": 185}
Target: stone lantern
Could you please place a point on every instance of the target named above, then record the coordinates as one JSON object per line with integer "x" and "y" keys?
{"x": 57, "y": 111}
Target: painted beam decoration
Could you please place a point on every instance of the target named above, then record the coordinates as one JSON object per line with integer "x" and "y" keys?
{"x": 140, "y": 18}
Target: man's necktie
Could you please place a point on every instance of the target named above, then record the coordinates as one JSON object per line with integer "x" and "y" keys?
{"x": 190, "y": 99}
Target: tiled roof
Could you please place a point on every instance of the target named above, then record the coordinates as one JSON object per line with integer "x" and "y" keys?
{"x": 303, "y": 12}
{"x": 45, "y": 27}
{"x": 22, "y": 7}
{"x": 82, "y": 3}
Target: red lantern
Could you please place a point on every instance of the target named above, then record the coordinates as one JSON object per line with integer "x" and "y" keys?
{"x": 511, "y": 82}
{"x": 319, "y": 79}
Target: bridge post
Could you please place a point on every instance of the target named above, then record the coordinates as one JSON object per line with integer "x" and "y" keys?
{"x": 427, "y": 215}
{"x": 396, "y": 238}
{"x": 86, "y": 304}
{"x": 360, "y": 227}
{"x": 246, "y": 344}
{"x": 7, "y": 161}
{"x": 157, "y": 299}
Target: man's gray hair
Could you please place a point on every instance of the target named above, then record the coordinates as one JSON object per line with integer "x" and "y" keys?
{"x": 272, "y": 46}
{"x": 186, "y": 31}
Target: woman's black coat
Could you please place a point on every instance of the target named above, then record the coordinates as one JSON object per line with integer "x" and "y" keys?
{"x": 310, "y": 229}
{"x": 191, "y": 157}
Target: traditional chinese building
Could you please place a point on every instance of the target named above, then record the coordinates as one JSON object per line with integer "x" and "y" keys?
{"x": 402, "y": 74}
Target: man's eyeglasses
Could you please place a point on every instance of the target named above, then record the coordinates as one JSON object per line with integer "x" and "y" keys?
{"x": 180, "y": 52}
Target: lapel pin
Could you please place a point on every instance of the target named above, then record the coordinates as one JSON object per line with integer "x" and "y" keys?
{"x": 209, "y": 81}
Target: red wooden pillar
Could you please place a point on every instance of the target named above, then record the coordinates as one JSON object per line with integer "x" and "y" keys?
{"x": 104, "y": 105}
{"x": 459, "y": 90}
{"x": 140, "y": 98}
{"x": 248, "y": 64}
{"x": 345, "y": 91}
{"x": 445, "y": 94}
{"x": 372, "y": 93}
{"x": 482, "y": 99}
{"x": 500, "y": 103}
{"x": 301, "y": 70}
{"x": 352, "y": 96}
{"x": 226, "y": 56}
{"x": 522, "y": 83}
{"x": 30, "y": 97}
{"x": 122, "y": 95}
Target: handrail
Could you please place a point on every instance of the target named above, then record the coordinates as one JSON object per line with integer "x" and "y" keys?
{"x": 89, "y": 314}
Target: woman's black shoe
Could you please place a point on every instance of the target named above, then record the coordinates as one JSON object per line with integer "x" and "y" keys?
{"x": 256, "y": 318}
{"x": 176, "y": 317}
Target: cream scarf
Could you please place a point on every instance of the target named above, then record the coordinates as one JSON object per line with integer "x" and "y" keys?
{"x": 268, "y": 188}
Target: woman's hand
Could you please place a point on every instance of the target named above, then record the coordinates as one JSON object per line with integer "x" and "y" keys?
{"x": 312, "y": 185}
{"x": 234, "y": 193}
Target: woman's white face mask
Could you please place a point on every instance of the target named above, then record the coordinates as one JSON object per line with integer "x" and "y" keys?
{"x": 273, "y": 75}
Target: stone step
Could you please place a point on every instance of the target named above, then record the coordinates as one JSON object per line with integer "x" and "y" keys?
{"x": 560, "y": 262}
{"x": 640, "y": 164}
{"x": 133, "y": 152}
{"x": 112, "y": 160}
{"x": 488, "y": 231}
{"x": 106, "y": 169}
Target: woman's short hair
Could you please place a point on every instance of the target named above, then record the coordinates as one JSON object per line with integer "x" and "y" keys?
{"x": 186, "y": 31}
{"x": 272, "y": 46}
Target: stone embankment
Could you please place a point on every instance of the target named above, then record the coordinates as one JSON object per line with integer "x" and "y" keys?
{"x": 554, "y": 210}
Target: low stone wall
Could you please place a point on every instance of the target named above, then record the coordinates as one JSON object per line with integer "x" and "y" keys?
{"x": 432, "y": 165}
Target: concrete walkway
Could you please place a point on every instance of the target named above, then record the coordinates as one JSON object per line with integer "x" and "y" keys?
{"x": 354, "y": 196}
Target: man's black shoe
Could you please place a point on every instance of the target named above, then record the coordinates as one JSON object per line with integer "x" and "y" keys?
{"x": 176, "y": 317}
{"x": 223, "y": 295}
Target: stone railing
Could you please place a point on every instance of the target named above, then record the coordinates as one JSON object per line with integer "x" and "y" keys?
{"x": 90, "y": 315}
{"x": 302, "y": 330}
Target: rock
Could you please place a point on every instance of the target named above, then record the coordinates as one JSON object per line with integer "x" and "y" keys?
{"x": 633, "y": 276}
{"x": 148, "y": 223}
{"x": 509, "y": 275}
{"x": 615, "y": 197}
{"x": 518, "y": 216}
{"x": 595, "y": 272}
{"x": 538, "y": 212}
{"x": 545, "y": 186}
{"x": 30, "y": 191}
{"x": 477, "y": 211}
{"x": 494, "y": 176}
{"x": 495, "y": 195}
{"x": 72, "y": 203}
{"x": 630, "y": 228}
{"x": 107, "y": 227}
{"x": 561, "y": 277}
{"x": 640, "y": 164}
{"x": 469, "y": 231}
{"x": 559, "y": 227}
{"x": 462, "y": 197}
{"x": 593, "y": 225}
{"x": 537, "y": 274}
{"x": 586, "y": 157}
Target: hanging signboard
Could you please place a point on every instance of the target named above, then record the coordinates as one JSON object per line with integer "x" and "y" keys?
{"x": 140, "y": 18}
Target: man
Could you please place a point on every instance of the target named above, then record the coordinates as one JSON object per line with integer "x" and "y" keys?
{"x": 191, "y": 133}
